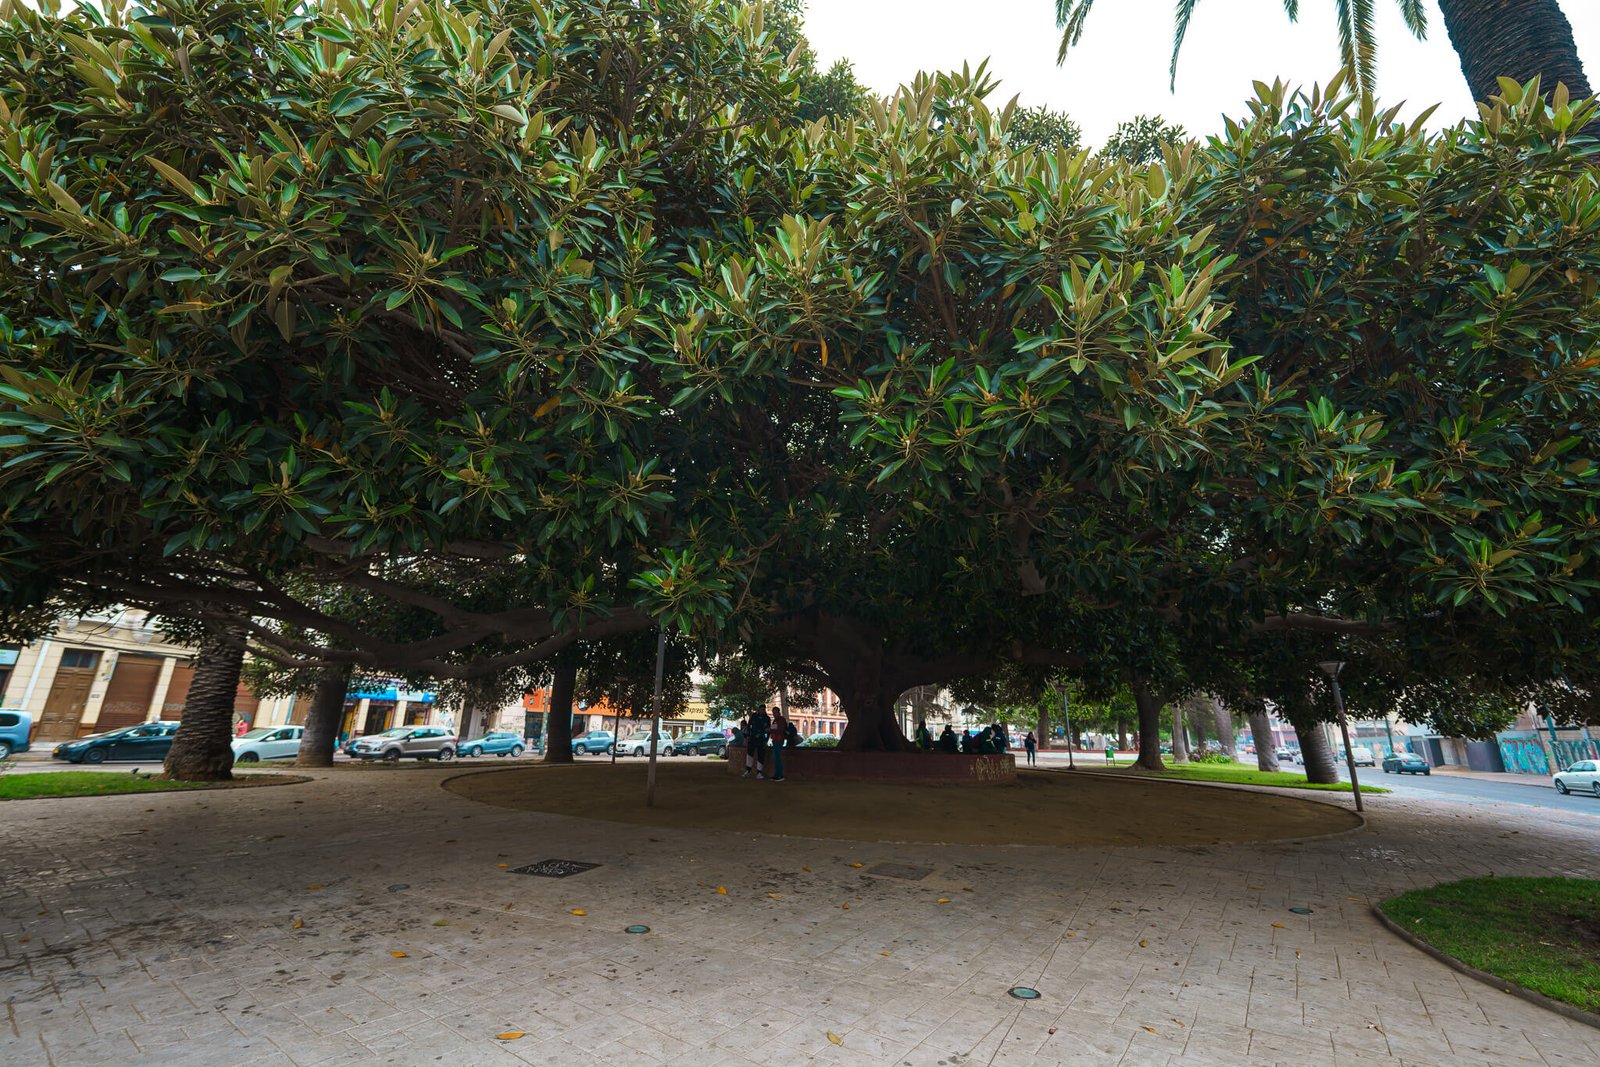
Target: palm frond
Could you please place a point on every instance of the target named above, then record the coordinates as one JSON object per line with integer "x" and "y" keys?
{"x": 1416, "y": 15}
{"x": 1069, "y": 20}
{"x": 1355, "y": 40}
{"x": 1179, "y": 30}
{"x": 1292, "y": 9}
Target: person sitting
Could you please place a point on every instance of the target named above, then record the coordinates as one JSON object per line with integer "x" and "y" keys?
{"x": 966, "y": 743}
{"x": 987, "y": 745}
{"x": 948, "y": 742}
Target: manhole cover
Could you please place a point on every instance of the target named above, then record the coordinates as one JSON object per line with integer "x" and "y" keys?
{"x": 555, "y": 868}
{"x": 1301, "y": 911}
{"x": 637, "y": 929}
{"x": 899, "y": 870}
{"x": 1022, "y": 992}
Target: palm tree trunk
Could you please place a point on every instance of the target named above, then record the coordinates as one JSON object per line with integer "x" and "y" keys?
{"x": 1321, "y": 764}
{"x": 1180, "y": 737}
{"x": 1261, "y": 731}
{"x": 322, "y": 719}
{"x": 202, "y": 749}
{"x": 1222, "y": 717}
{"x": 1514, "y": 39}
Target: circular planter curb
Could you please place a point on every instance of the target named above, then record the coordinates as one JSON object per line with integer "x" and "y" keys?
{"x": 1572, "y": 1012}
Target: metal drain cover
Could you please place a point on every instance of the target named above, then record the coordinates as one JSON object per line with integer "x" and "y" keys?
{"x": 555, "y": 868}
{"x": 904, "y": 871}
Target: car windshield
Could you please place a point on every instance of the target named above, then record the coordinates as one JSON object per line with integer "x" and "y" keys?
{"x": 251, "y": 735}
{"x": 398, "y": 731}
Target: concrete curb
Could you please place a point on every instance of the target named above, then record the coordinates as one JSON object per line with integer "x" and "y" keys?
{"x": 1559, "y": 1007}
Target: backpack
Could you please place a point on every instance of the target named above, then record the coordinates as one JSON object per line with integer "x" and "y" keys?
{"x": 760, "y": 723}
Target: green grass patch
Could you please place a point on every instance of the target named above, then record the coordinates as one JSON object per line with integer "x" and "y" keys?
{"x": 1542, "y": 934}
{"x": 96, "y": 783}
{"x": 1239, "y": 774}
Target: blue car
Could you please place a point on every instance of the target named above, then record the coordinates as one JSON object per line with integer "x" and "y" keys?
{"x": 15, "y": 725}
{"x": 497, "y": 742}
{"x": 147, "y": 742}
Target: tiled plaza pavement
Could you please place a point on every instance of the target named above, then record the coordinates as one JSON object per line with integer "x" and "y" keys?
{"x": 265, "y": 927}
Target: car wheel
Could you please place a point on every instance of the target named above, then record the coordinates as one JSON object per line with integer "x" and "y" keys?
{"x": 721, "y": 751}
{"x": 670, "y": 751}
{"x": 95, "y": 755}
{"x": 1561, "y": 787}
{"x": 516, "y": 750}
{"x": 392, "y": 756}
{"x": 1596, "y": 788}
{"x": 247, "y": 757}
{"x": 5, "y": 749}
{"x": 611, "y": 750}
{"x": 446, "y": 754}
{"x": 475, "y": 750}
{"x": 1426, "y": 773}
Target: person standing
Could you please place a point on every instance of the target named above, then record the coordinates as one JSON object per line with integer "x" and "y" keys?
{"x": 755, "y": 743}
{"x": 778, "y": 734}
{"x": 1031, "y": 745}
{"x": 948, "y": 742}
{"x": 924, "y": 738}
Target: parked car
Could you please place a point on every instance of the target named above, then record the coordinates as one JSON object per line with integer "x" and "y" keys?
{"x": 497, "y": 742}
{"x": 407, "y": 742}
{"x": 1405, "y": 763}
{"x": 267, "y": 742}
{"x": 148, "y": 741}
{"x": 15, "y": 726}
{"x": 1583, "y": 776}
{"x": 638, "y": 744}
{"x": 593, "y": 741}
{"x": 705, "y": 743}
{"x": 1362, "y": 756}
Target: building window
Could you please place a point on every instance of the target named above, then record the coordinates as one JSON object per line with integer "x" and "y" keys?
{"x": 79, "y": 657}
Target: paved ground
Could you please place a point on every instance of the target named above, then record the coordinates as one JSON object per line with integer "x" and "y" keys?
{"x": 266, "y": 927}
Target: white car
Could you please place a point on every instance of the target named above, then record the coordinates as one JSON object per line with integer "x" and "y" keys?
{"x": 638, "y": 744}
{"x": 268, "y": 742}
{"x": 1582, "y": 777}
{"x": 1362, "y": 756}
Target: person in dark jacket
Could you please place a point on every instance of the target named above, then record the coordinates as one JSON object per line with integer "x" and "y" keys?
{"x": 948, "y": 742}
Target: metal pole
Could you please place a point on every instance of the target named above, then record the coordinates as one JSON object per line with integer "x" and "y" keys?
{"x": 1389, "y": 729}
{"x": 1344, "y": 728}
{"x": 655, "y": 715}
{"x": 1066, "y": 713}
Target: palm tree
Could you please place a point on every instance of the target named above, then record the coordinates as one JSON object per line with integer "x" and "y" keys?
{"x": 1518, "y": 39}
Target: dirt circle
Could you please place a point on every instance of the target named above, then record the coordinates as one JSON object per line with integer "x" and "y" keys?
{"x": 1057, "y": 808}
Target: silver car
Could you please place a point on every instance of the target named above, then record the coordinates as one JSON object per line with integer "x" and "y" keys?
{"x": 407, "y": 742}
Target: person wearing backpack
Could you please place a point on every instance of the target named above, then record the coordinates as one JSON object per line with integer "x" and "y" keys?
{"x": 755, "y": 743}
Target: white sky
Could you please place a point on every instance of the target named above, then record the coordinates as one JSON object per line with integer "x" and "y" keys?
{"x": 1119, "y": 68}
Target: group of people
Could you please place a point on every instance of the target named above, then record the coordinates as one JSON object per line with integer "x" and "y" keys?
{"x": 765, "y": 737}
{"x": 990, "y": 741}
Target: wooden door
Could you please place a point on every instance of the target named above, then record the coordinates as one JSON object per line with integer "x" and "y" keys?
{"x": 69, "y": 692}
{"x": 177, "y": 697}
{"x": 133, "y": 684}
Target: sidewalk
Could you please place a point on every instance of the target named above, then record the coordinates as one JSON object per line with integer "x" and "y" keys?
{"x": 1539, "y": 781}
{"x": 362, "y": 919}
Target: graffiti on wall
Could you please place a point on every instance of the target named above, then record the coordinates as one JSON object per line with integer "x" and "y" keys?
{"x": 1524, "y": 755}
{"x": 1571, "y": 750}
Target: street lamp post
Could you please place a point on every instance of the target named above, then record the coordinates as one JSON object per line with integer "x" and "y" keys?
{"x": 1332, "y": 668}
{"x": 655, "y": 715}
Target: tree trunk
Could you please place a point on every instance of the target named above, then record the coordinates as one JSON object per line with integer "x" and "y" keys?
{"x": 1180, "y": 737}
{"x": 202, "y": 749}
{"x": 1192, "y": 713}
{"x": 1513, "y": 39}
{"x": 1321, "y": 764}
{"x": 871, "y": 725}
{"x": 1149, "y": 706}
{"x": 1122, "y": 735}
{"x": 1261, "y": 731}
{"x": 558, "y": 722}
{"x": 1043, "y": 736}
{"x": 317, "y": 744}
{"x": 1224, "y": 723}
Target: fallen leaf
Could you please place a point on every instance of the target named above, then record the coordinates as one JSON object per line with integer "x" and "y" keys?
{"x": 503, "y": 866}
{"x": 846, "y": 907}
{"x": 1277, "y": 926}
{"x": 835, "y": 1038}
{"x": 855, "y": 865}
{"x": 806, "y": 869}
{"x": 298, "y": 923}
{"x": 1150, "y": 1030}
{"x": 1052, "y": 1030}
{"x": 398, "y": 955}
{"x": 722, "y": 890}
{"x": 510, "y": 1035}
{"x": 883, "y": 953}
{"x": 24, "y": 939}
{"x": 579, "y": 911}
{"x": 775, "y": 896}
{"x": 508, "y": 907}
{"x": 942, "y": 900}
{"x": 1296, "y": 953}
{"x": 1356, "y": 899}
{"x": 441, "y": 922}
{"x": 1144, "y": 943}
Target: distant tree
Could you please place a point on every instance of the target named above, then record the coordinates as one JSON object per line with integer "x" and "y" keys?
{"x": 1040, "y": 127}
{"x": 1139, "y": 141}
